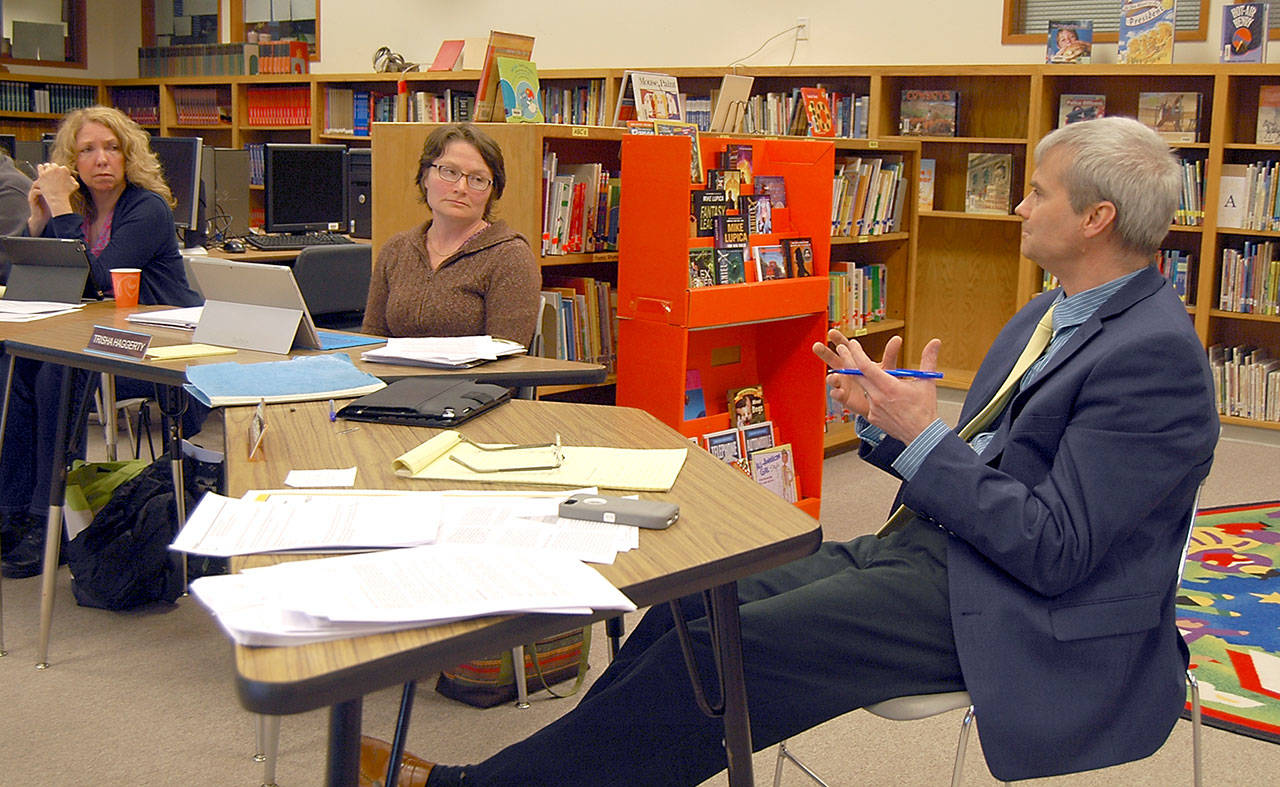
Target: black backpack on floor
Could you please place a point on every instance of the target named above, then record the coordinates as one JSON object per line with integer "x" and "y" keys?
{"x": 122, "y": 559}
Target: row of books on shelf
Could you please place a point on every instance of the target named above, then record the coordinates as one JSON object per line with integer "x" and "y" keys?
{"x": 750, "y": 444}
{"x": 580, "y": 320}
{"x": 278, "y": 105}
{"x": 257, "y": 162}
{"x": 196, "y": 105}
{"x": 1250, "y": 279}
{"x": 579, "y": 206}
{"x": 1248, "y": 196}
{"x": 142, "y": 104}
{"x": 857, "y": 295}
{"x": 1176, "y": 266}
{"x": 47, "y": 98}
{"x": 867, "y": 195}
{"x": 1246, "y": 381}
{"x": 232, "y": 59}
{"x": 581, "y": 105}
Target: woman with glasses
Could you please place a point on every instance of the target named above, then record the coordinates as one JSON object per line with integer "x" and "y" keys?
{"x": 461, "y": 273}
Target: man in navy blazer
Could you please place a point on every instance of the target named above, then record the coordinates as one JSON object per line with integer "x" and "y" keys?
{"x": 1037, "y": 567}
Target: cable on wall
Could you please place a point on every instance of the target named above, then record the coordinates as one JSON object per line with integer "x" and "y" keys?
{"x": 795, "y": 42}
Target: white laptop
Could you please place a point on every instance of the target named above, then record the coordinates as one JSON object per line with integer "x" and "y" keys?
{"x": 251, "y": 306}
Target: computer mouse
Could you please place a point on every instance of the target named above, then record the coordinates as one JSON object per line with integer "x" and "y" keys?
{"x": 234, "y": 245}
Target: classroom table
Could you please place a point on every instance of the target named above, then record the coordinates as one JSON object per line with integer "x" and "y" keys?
{"x": 729, "y": 527}
{"x": 63, "y": 339}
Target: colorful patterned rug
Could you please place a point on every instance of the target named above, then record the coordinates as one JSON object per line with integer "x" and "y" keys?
{"x": 1229, "y": 614}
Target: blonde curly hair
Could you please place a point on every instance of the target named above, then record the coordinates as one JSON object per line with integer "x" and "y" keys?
{"x": 141, "y": 167}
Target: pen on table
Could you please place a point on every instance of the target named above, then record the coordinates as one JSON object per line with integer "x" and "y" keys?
{"x": 333, "y": 414}
{"x": 914, "y": 374}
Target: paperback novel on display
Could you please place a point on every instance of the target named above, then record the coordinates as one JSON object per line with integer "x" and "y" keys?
{"x": 746, "y": 405}
{"x": 798, "y": 253}
{"x": 756, "y": 437}
{"x": 756, "y": 209}
{"x": 774, "y": 469}
{"x": 1174, "y": 116}
{"x": 1070, "y": 41}
{"x": 518, "y": 85}
{"x": 770, "y": 263}
{"x": 702, "y": 267}
{"x": 725, "y": 445}
{"x": 1244, "y": 33}
{"x": 706, "y": 205}
{"x": 731, "y": 266}
{"x": 683, "y": 129}
{"x": 727, "y": 180}
{"x": 731, "y": 231}
{"x": 1146, "y": 31}
{"x": 930, "y": 113}
{"x": 987, "y": 183}
{"x": 1268, "y": 132}
{"x": 775, "y": 186}
{"x": 739, "y": 157}
{"x": 1075, "y": 107}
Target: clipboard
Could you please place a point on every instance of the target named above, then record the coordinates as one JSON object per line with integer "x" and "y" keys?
{"x": 426, "y": 401}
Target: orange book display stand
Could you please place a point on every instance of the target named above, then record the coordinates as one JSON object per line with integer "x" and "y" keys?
{"x": 733, "y": 335}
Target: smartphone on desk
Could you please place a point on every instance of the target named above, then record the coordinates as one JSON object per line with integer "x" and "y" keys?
{"x": 652, "y": 514}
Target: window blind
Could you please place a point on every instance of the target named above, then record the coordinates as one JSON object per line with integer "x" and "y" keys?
{"x": 1104, "y": 13}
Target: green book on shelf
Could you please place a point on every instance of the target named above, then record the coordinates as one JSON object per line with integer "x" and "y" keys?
{"x": 518, "y": 85}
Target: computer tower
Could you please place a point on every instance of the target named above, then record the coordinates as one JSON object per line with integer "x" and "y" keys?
{"x": 225, "y": 173}
{"x": 360, "y": 192}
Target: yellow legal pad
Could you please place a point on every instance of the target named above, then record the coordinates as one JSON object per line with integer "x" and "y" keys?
{"x": 178, "y": 351}
{"x": 635, "y": 469}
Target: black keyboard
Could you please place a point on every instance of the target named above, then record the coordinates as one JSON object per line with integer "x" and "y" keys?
{"x": 295, "y": 242}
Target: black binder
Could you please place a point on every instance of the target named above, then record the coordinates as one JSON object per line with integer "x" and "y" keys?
{"x": 427, "y": 401}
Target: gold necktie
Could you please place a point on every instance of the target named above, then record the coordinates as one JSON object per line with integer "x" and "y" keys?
{"x": 1036, "y": 346}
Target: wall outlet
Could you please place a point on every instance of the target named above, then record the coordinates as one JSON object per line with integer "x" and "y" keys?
{"x": 802, "y": 28}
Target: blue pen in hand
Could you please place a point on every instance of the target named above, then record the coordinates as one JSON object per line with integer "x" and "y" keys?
{"x": 913, "y": 374}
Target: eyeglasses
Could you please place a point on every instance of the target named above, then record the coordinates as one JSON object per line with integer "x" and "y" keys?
{"x": 474, "y": 182}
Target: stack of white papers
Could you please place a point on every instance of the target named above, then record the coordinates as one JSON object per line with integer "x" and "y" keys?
{"x": 353, "y": 595}
{"x": 187, "y": 317}
{"x": 446, "y": 352}
{"x": 26, "y": 311}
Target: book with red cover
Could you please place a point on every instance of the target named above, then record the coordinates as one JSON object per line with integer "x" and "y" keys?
{"x": 448, "y": 56}
{"x": 817, "y": 112}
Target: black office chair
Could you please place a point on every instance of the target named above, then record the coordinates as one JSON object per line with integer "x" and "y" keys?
{"x": 334, "y": 281}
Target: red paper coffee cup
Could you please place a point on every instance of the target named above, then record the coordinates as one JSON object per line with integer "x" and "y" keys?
{"x": 124, "y": 283}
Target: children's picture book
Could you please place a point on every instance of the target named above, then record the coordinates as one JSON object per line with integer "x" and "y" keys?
{"x": 518, "y": 85}
{"x": 731, "y": 231}
{"x": 770, "y": 263}
{"x": 1070, "y": 41}
{"x": 756, "y": 437}
{"x": 706, "y": 205}
{"x": 1146, "y": 31}
{"x": 727, "y": 180}
{"x": 928, "y": 173}
{"x": 702, "y": 267}
{"x": 1075, "y": 107}
{"x": 817, "y": 112}
{"x": 641, "y": 127}
{"x": 1244, "y": 33}
{"x": 500, "y": 44}
{"x": 725, "y": 446}
{"x": 739, "y": 157}
{"x": 695, "y": 405}
{"x": 657, "y": 96}
{"x": 731, "y": 104}
{"x": 690, "y": 130}
{"x": 1268, "y": 115}
{"x": 798, "y": 253}
{"x": 746, "y": 405}
{"x": 929, "y": 113}
{"x": 987, "y": 182}
{"x": 731, "y": 266}
{"x": 1174, "y": 116}
{"x": 775, "y": 186}
{"x": 774, "y": 469}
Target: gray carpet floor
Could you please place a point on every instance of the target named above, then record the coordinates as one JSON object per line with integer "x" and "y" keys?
{"x": 146, "y": 697}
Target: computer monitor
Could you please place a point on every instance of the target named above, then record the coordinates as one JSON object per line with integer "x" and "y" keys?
{"x": 180, "y": 163}
{"x": 304, "y": 188}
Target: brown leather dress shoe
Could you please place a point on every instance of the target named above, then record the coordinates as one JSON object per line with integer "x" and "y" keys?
{"x": 374, "y": 754}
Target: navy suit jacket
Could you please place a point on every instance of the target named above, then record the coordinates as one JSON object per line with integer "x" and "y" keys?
{"x": 1067, "y": 534}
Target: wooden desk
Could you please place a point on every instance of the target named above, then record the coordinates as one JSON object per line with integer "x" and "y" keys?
{"x": 729, "y": 527}
{"x": 62, "y": 340}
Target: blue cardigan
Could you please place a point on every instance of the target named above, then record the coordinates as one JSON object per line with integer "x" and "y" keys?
{"x": 142, "y": 236}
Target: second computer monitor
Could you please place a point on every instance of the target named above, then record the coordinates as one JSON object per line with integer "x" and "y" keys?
{"x": 180, "y": 162}
{"x": 305, "y": 188}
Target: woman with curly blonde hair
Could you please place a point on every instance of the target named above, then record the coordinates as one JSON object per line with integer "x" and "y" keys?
{"x": 104, "y": 187}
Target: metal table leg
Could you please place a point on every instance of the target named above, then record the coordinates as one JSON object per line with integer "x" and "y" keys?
{"x": 345, "y": 720}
